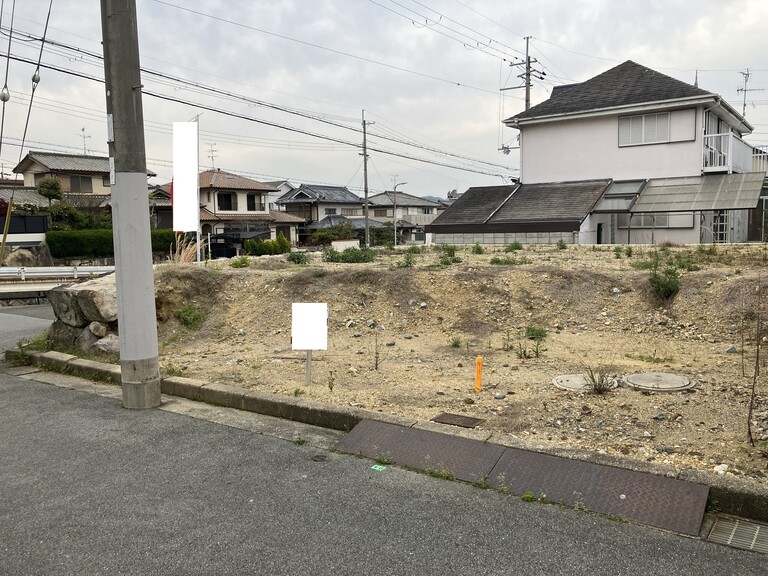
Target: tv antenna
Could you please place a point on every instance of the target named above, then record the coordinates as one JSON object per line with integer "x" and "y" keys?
{"x": 746, "y": 75}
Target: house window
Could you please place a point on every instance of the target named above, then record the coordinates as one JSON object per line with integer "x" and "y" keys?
{"x": 255, "y": 202}
{"x": 380, "y": 213}
{"x": 348, "y": 212}
{"x": 226, "y": 201}
{"x": 330, "y": 211}
{"x": 105, "y": 181}
{"x": 80, "y": 184}
{"x": 644, "y": 129}
{"x": 427, "y": 210}
{"x": 645, "y": 220}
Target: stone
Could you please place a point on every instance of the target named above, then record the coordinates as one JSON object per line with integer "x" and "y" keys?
{"x": 370, "y": 323}
{"x": 731, "y": 350}
{"x": 408, "y": 337}
{"x": 391, "y": 343}
{"x": 423, "y": 305}
{"x": 97, "y": 298}
{"x": 109, "y": 344}
{"x": 62, "y": 335}
{"x": 86, "y": 339}
{"x": 66, "y": 307}
{"x": 350, "y": 323}
{"x": 468, "y": 401}
{"x": 500, "y": 396}
{"x": 98, "y": 329}
{"x": 721, "y": 469}
{"x": 659, "y": 416}
{"x": 356, "y": 335}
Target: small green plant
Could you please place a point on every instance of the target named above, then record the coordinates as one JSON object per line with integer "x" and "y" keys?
{"x": 617, "y": 252}
{"x": 666, "y": 283}
{"x": 538, "y": 348}
{"x": 300, "y": 441}
{"x": 349, "y": 256}
{"x": 319, "y": 273}
{"x": 513, "y": 247}
{"x": 483, "y": 483}
{"x": 628, "y": 251}
{"x": 477, "y": 248}
{"x": 240, "y": 262}
{"x": 191, "y": 316}
{"x": 300, "y": 258}
{"x": 406, "y": 262}
{"x": 414, "y": 250}
{"x": 444, "y": 474}
{"x": 384, "y": 460}
{"x": 331, "y": 380}
{"x": 561, "y": 245}
{"x": 528, "y": 497}
{"x": 455, "y": 342}
{"x": 535, "y": 332}
{"x": 508, "y": 261}
{"x": 599, "y": 380}
{"x": 172, "y": 370}
{"x": 39, "y": 343}
{"x": 522, "y": 351}
{"x": 298, "y": 392}
{"x": 713, "y": 505}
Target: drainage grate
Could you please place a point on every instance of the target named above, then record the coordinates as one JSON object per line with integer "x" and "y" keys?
{"x": 740, "y": 534}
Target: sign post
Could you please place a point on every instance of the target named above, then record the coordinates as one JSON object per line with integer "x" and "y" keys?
{"x": 309, "y": 330}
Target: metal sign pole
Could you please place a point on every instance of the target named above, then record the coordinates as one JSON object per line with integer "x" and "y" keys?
{"x": 309, "y": 367}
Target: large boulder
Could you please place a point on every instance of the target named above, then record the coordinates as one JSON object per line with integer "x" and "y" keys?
{"x": 29, "y": 257}
{"x": 66, "y": 307}
{"x": 109, "y": 344}
{"x": 97, "y": 298}
{"x": 62, "y": 335}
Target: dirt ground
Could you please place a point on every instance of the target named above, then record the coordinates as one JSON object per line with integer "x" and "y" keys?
{"x": 403, "y": 340}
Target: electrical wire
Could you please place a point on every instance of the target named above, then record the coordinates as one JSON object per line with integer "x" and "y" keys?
{"x": 4, "y": 94}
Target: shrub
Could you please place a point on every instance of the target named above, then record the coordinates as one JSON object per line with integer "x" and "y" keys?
{"x": 282, "y": 243}
{"x": 448, "y": 250}
{"x": 599, "y": 380}
{"x": 263, "y": 247}
{"x": 628, "y": 251}
{"x": 535, "y": 332}
{"x": 561, "y": 245}
{"x": 349, "y": 256}
{"x": 240, "y": 262}
{"x": 665, "y": 283}
{"x": 298, "y": 258}
{"x": 406, "y": 262}
{"x": 477, "y": 248}
{"x": 617, "y": 252}
{"x": 191, "y": 316}
{"x": 513, "y": 247}
{"x": 508, "y": 261}
{"x": 414, "y": 250}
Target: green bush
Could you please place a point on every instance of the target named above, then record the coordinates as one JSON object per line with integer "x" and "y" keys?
{"x": 561, "y": 245}
{"x": 298, "y": 258}
{"x": 628, "y": 251}
{"x": 665, "y": 283}
{"x": 240, "y": 262}
{"x": 97, "y": 243}
{"x": 163, "y": 240}
{"x": 513, "y": 247}
{"x": 191, "y": 316}
{"x": 349, "y": 256}
{"x": 414, "y": 250}
{"x": 406, "y": 262}
{"x": 283, "y": 243}
{"x": 508, "y": 261}
{"x": 535, "y": 332}
{"x": 264, "y": 247}
{"x": 477, "y": 248}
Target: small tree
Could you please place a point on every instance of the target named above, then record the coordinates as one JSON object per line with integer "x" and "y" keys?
{"x": 50, "y": 188}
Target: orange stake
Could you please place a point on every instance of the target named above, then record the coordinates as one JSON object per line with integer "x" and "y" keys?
{"x": 478, "y": 374}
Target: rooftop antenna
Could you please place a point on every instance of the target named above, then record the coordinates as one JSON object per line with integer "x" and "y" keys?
{"x": 746, "y": 75}
{"x": 84, "y": 137}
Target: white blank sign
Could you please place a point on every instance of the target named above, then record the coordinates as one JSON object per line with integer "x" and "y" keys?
{"x": 186, "y": 199}
{"x": 309, "y": 326}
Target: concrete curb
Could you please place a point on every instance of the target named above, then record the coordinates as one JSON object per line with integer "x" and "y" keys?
{"x": 727, "y": 494}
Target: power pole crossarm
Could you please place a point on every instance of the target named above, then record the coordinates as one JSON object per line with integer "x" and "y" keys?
{"x": 134, "y": 278}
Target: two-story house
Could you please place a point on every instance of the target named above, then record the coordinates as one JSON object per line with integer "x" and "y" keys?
{"x": 312, "y": 203}
{"x": 631, "y": 155}
{"x": 411, "y": 212}
{"x": 237, "y": 206}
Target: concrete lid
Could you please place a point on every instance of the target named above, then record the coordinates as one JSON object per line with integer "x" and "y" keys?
{"x": 660, "y": 382}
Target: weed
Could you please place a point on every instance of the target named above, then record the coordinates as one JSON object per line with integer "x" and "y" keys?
{"x": 38, "y": 343}
{"x": 191, "y": 316}
{"x": 561, "y": 245}
{"x": 444, "y": 474}
{"x": 240, "y": 262}
{"x": 331, "y": 380}
{"x": 319, "y": 273}
{"x": 535, "y": 332}
{"x": 522, "y": 351}
{"x": 538, "y": 348}
{"x": 628, "y": 251}
{"x": 508, "y": 261}
{"x": 172, "y": 370}
{"x": 513, "y": 247}
{"x": 414, "y": 250}
{"x": 406, "y": 262}
{"x": 384, "y": 461}
{"x": 713, "y": 505}
{"x": 477, "y": 248}
{"x": 666, "y": 283}
{"x": 528, "y": 497}
{"x": 300, "y": 441}
{"x": 599, "y": 380}
{"x": 300, "y": 258}
{"x": 617, "y": 252}
{"x": 482, "y": 483}
{"x": 298, "y": 392}
{"x": 349, "y": 256}
{"x": 455, "y": 342}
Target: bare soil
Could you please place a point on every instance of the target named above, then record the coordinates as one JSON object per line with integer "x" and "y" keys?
{"x": 403, "y": 340}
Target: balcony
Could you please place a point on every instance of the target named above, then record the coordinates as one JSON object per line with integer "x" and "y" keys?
{"x": 727, "y": 153}
{"x": 760, "y": 159}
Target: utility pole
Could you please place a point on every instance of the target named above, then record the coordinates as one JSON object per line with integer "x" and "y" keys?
{"x": 527, "y": 73}
{"x": 130, "y": 206}
{"x": 365, "y": 185}
{"x": 394, "y": 205}
{"x": 211, "y": 153}
{"x": 746, "y": 75}
{"x": 84, "y": 137}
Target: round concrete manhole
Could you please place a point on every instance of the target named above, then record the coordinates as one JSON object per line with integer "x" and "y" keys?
{"x": 577, "y": 382}
{"x": 659, "y": 382}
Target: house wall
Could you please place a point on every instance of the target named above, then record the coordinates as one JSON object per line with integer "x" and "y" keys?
{"x": 97, "y": 182}
{"x": 684, "y": 229}
{"x": 321, "y": 209}
{"x": 209, "y": 200}
{"x": 588, "y": 149}
{"x": 505, "y": 238}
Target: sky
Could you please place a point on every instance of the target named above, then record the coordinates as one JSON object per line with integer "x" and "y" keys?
{"x": 279, "y": 87}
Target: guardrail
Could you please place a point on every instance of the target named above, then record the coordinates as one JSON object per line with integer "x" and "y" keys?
{"x": 41, "y": 272}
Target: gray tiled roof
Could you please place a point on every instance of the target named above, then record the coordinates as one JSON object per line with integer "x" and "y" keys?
{"x": 313, "y": 194}
{"x": 475, "y": 206}
{"x": 23, "y": 195}
{"x": 402, "y": 199}
{"x": 74, "y": 163}
{"x": 227, "y": 181}
{"x": 624, "y": 85}
{"x": 551, "y": 201}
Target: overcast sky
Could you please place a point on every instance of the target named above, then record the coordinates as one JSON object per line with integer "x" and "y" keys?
{"x": 426, "y": 72}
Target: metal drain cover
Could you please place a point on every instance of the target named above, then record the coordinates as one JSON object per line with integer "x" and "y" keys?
{"x": 740, "y": 533}
{"x": 659, "y": 382}
{"x": 575, "y": 382}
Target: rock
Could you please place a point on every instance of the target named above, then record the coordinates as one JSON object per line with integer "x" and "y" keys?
{"x": 98, "y": 329}
{"x": 39, "y": 255}
{"x": 66, "y": 307}
{"x": 350, "y": 323}
{"x": 500, "y": 396}
{"x": 391, "y": 343}
{"x": 468, "y": 401}
{"x": 408, "y": 337}
{"x": 730, "y": 350}
{"x": 352, "y": 370}
{"x": 278, "y": 350}
{"x": 616, "y": 290}
{"x": 62, "y": 335}
{"x": 423, "y": 305}
{"x": 721, "y": 469}
{"x": 382, "y": 327}
{"x": 440, "y": 393}
{"x": 109, "y": 344}
{"x": 659, "y": 416}
{"x": 370, "y": 323}
{"x": 356, "y": 335}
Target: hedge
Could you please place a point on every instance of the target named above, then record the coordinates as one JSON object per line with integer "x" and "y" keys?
{"x": 97, "y": 243}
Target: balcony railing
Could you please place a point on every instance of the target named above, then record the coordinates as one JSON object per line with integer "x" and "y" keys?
{"x": 727, "y": 153}
{"x": 760, "y": 159}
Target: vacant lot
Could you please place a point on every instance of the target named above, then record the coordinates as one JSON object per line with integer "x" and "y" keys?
{"x": 404, "y": 333}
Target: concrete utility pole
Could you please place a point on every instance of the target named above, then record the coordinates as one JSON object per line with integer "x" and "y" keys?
{"x": 394, "y": 206}
{"x": 527, "y": 73}
{"x": 130, "y": 206}
{"x": 365, "y": 185}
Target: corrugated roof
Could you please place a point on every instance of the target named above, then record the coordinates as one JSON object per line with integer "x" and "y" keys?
{"x": 701, "y": 193}
{"x": 222, "y": 180}
{"x": 402, "y": 199}
{"x": 548, "y": 202}
{"x": 626, "y": 84}
{"x": 313, "y": 194}
{"x": 475, "y": 206}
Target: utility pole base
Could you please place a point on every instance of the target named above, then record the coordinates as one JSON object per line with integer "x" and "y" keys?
{"x": 141, "y": 384}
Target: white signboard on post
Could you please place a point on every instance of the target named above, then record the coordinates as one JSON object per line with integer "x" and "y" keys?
{"x": 309, "y": 326}
{"x": 186, "y": 198}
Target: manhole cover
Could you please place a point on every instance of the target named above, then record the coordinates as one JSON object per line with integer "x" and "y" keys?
{"x": 660, "y": 382}
{"x": 575, "y": 382}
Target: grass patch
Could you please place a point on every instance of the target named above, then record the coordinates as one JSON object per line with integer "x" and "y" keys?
{"x": 508, "y": 261}
{"x": 240, "y": 262}
{"x": 444, "y": 474}
{"x": 535, "y": 332}
{"x": 513, "y": 247}
{"x": 191, "y": 316}
{"x": 300, "y": 258}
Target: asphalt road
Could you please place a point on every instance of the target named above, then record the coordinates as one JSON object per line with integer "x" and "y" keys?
{"x": 88, "y": 487}
{"x": 23, "y": 322}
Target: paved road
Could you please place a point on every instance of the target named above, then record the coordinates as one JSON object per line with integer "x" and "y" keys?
{"x": 87, "y": 487}
{"x": 20, "y": 322}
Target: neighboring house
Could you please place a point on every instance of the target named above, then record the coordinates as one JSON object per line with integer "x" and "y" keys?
{"x": 669, "y": 156}
{"x": 312, "y": 203}
{"x": 412, "y": 213}
{"x": 23, "y": 231}
{"x": 282, "y": 187}
{"x": 160, "y": 207}
{"x": 237, "y": 207}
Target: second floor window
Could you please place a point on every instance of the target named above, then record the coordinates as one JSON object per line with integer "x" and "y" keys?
{"x": 330, "y": 211}
{"x": 226, "y": 201}
{"x": 348, "y": 212}
{"x": 80, "y": 184}
{"x": 255, "y": 202}
{"x": 644, "y": 129}
{"x": 426, "y": 210}
{"x": 379, "y": 213}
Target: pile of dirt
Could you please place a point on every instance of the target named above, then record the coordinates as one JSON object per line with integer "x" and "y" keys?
{"x": 404, "y": 340}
